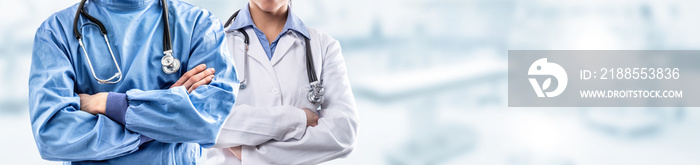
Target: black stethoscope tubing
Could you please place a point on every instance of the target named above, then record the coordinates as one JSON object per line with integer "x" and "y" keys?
{"x": 170, "y": 63}
{"x": 311, "y": 70}
{"x": 167, "y": 44}
{"x": 316, "y": 92}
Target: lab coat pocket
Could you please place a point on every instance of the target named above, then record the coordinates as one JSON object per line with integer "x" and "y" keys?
{"x": 302, "y": 100}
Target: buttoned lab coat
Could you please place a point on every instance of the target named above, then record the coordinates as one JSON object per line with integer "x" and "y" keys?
{"x": 267, "y": 120}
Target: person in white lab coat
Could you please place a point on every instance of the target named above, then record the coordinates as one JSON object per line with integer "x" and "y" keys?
{"x": 273, "y": 121}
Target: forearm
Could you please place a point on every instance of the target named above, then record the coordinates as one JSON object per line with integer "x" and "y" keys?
{"x": 175, "y": 116}
{"x": 247, "y": 125}
{"x": 334, "y": 137}
{"x": 146, "y": 111}
{"x": 62, "y": 132}
{"x": 72, "y": 135}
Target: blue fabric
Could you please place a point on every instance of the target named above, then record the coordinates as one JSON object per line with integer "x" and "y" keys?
{"x": 116, "y": 107}
{"x": 180, "y": 123}
{"x": 244, "y": 20}
{"x": 144, "y": 139}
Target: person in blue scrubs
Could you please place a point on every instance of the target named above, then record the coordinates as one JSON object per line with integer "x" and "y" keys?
{"x": 146, "y": 118}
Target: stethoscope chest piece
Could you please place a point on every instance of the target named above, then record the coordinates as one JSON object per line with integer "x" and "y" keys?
{"x": 316, "y": 92}
{"x": 170, "y": 63}
{"x": 243, "y": 85}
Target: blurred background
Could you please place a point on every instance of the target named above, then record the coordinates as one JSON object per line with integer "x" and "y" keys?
{"x": 429, "y": 77}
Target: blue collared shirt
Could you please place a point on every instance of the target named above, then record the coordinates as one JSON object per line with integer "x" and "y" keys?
{"x": 244, "y": 20}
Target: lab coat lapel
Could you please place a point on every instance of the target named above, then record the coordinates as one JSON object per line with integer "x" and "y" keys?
{"x": 283, "y": 46}
{"x": 255, "y": 50}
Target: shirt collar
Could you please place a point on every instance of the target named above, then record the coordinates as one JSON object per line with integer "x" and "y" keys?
{"x": 125, "y": 5}
{"x": 244, "y": 20}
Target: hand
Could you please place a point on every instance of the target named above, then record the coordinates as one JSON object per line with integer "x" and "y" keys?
{"x": 196, "y": 77}
{"x": 93, "y": 104}
{"x": 311, "y": 118}
{"x": 236, "y": 151}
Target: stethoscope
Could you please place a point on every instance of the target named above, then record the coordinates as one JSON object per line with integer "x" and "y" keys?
{"x": 170, "y": 63}
{"x": 315, "y": 94}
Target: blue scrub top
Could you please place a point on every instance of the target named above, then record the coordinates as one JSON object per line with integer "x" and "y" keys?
{"x": 179, "y": 122}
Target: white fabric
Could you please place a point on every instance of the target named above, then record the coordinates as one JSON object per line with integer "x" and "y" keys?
{"x": 267, "y": 120}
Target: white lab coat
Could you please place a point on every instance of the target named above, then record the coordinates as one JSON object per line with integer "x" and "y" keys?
{"x": 266, "y": 118}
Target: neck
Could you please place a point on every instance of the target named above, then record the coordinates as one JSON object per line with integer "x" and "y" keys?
{"x": 270, "y": 22}
{"x": 124, "y": 4}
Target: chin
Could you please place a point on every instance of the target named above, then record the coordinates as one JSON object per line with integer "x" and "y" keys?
{"x": 270, "y": 5}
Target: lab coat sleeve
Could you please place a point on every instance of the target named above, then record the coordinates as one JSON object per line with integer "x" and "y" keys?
{"x": 61, "y": 131}
{"x": 335, "y": 134}
{"x": 175, "y": 116}
{"x": 247, "y": 125}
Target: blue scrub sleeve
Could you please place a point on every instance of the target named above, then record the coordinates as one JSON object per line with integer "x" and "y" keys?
{"x": 116, "y": 110}
{"x": 116, "y": 107}
{"x": 61, "y": 131}
{"x": 176, "y": 116}
{"x": 145, "y": 139}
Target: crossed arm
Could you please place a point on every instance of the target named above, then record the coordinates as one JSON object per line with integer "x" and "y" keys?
{"x": 198, "y": 76}
{"x": 191, "y": 80}
{"x": 63, "y": 132}
{"x": 264, "y": 135}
